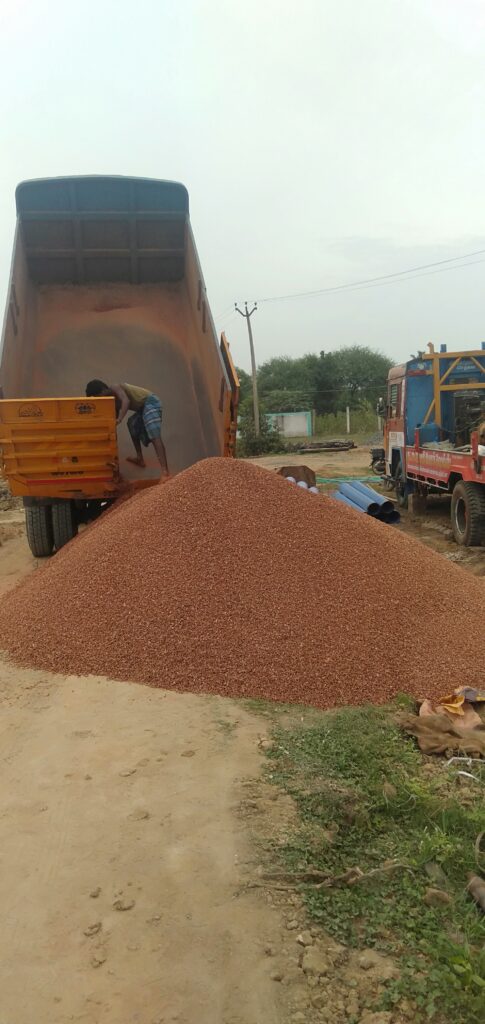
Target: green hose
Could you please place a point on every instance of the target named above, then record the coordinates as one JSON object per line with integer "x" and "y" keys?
{"x": 344, "y": 479}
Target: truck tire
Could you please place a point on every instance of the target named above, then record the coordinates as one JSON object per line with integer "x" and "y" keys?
{"x": 468, "y": 513}
{"x": 400, "y": 485}
{"x": 64, "y": 523}
{"x": 38, "y": 521}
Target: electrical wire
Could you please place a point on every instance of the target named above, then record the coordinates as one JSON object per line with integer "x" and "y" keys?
{"x": 308, "y": 392}
{"x": 383, "y": 278}
{"x": 227, "y": 320}
{"x": 378, "y": 282}
{"x": 414, "y": 277}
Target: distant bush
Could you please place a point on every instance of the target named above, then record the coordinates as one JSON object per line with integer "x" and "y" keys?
{"x": 250, "y": 444}
{"x": 362, "y": 421}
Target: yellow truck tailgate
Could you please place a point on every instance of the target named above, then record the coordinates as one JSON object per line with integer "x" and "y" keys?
{"x": 59, "y": 447}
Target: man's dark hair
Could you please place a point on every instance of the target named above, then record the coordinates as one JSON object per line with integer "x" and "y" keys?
{"x": 95, "y": 388}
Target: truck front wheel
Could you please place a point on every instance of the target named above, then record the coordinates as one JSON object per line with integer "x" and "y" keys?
{"x": 468, "y": 513}
{"x": 38, "y": 521}
{"x": 64, "y": 522}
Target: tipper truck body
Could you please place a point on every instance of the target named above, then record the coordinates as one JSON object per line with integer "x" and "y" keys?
{"x": 105, "y": 283}
{"x": 434, "y": 435}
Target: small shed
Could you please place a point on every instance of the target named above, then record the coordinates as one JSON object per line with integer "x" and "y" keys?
{"x": 292, "y": 424}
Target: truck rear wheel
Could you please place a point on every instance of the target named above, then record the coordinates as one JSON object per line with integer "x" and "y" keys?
{"x": 64, "y": 522}
{"x": 38, "y": 521}
{"x": 468, "y": 513}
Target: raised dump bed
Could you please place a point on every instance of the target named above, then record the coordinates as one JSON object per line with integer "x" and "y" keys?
{"x": 106, "y": 283}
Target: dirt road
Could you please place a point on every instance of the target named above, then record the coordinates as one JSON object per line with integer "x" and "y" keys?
{"x": 122, "y": 854}
{"x": 16, "y": 560}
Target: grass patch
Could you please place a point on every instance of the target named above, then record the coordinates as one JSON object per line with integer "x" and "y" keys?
{"x": 355, "y": 777}
{"x": 275, "y": 709}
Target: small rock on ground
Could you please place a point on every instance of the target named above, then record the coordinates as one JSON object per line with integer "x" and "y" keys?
{"x": 381, "y": 968}
{"x": 93, "y": 929}
{"x": 315, "y": 962}
{"x": 305, "y": 939}
{"x": 123, "y": 904}
{"x": 98, "y": 961}
{"x": 437, "y": 898}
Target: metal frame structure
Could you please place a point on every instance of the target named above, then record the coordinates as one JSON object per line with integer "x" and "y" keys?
{"x": 439, "y": 385}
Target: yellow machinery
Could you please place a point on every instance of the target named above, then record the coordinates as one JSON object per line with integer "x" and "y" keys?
{"x": 63, "y": 447}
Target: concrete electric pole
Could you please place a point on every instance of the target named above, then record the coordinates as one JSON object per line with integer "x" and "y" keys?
{"x": 247, "y": 316}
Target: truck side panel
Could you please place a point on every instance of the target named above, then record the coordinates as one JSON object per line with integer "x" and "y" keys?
{"x": 16, "y": 354}
{"x": 60, "y": 447}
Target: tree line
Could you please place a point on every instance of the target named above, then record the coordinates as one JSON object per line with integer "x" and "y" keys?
{"x": 328, "y": 382}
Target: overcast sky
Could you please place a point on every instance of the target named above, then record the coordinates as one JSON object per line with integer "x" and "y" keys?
{"x": 322, "y": 142}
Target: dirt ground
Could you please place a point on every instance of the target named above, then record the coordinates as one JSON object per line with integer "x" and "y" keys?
{"x": 122, "y": 853}
{"x": 327, "y": 464}
{"x": 130, "y": 825}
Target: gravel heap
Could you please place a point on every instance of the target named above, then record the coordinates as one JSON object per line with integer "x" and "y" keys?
{"x": 228, "y": 580}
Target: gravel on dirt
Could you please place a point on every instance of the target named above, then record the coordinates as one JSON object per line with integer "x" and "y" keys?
{"x": 227, "y": 580}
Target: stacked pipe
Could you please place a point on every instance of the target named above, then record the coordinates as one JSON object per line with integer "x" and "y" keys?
{"x": 363, "y": 499}
{"x": 302, "y": 476}
{"x": 303, "y": 484}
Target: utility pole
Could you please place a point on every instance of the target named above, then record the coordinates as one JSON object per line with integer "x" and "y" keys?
{"x": 247, "y": 316}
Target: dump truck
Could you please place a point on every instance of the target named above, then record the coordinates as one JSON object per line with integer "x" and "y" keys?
{"x": 105, "y": 283}
{"x": 434, "y": 435}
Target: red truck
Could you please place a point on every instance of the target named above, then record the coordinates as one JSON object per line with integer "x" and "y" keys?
{"x": 434, "y": 435}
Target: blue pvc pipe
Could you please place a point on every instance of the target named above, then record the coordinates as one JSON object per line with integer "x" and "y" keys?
{"x": 362, "y": 500}
{"x": 346, "y": 501}
{"x": 389, "y": 517}
{"x": 382, "y": 517}
{"x": 384, "y": 503}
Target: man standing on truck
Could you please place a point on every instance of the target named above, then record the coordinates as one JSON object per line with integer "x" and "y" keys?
{"x": 145, "y": 425}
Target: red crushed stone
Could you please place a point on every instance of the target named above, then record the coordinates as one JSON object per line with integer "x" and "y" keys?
{"x": 229, "y": 580}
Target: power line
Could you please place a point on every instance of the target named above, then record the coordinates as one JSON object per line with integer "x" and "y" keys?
{"x": 378, "y": 282}
{"x": 308, "y": 391}
{"x": 380, "y": 279}
{"x": 225, "y": 312}
{"x": 414, "y": 277}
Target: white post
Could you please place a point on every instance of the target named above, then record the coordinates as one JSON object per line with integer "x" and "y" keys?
{"x": 348, "y": 419}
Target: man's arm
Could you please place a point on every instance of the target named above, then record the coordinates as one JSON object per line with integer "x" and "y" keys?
{"x": 123, "y": 399}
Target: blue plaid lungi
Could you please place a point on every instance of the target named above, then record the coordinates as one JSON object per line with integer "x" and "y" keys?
{"x": 146, "y": 424}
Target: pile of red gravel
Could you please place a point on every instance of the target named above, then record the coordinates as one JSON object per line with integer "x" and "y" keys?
{"x": 227, "y": 580}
